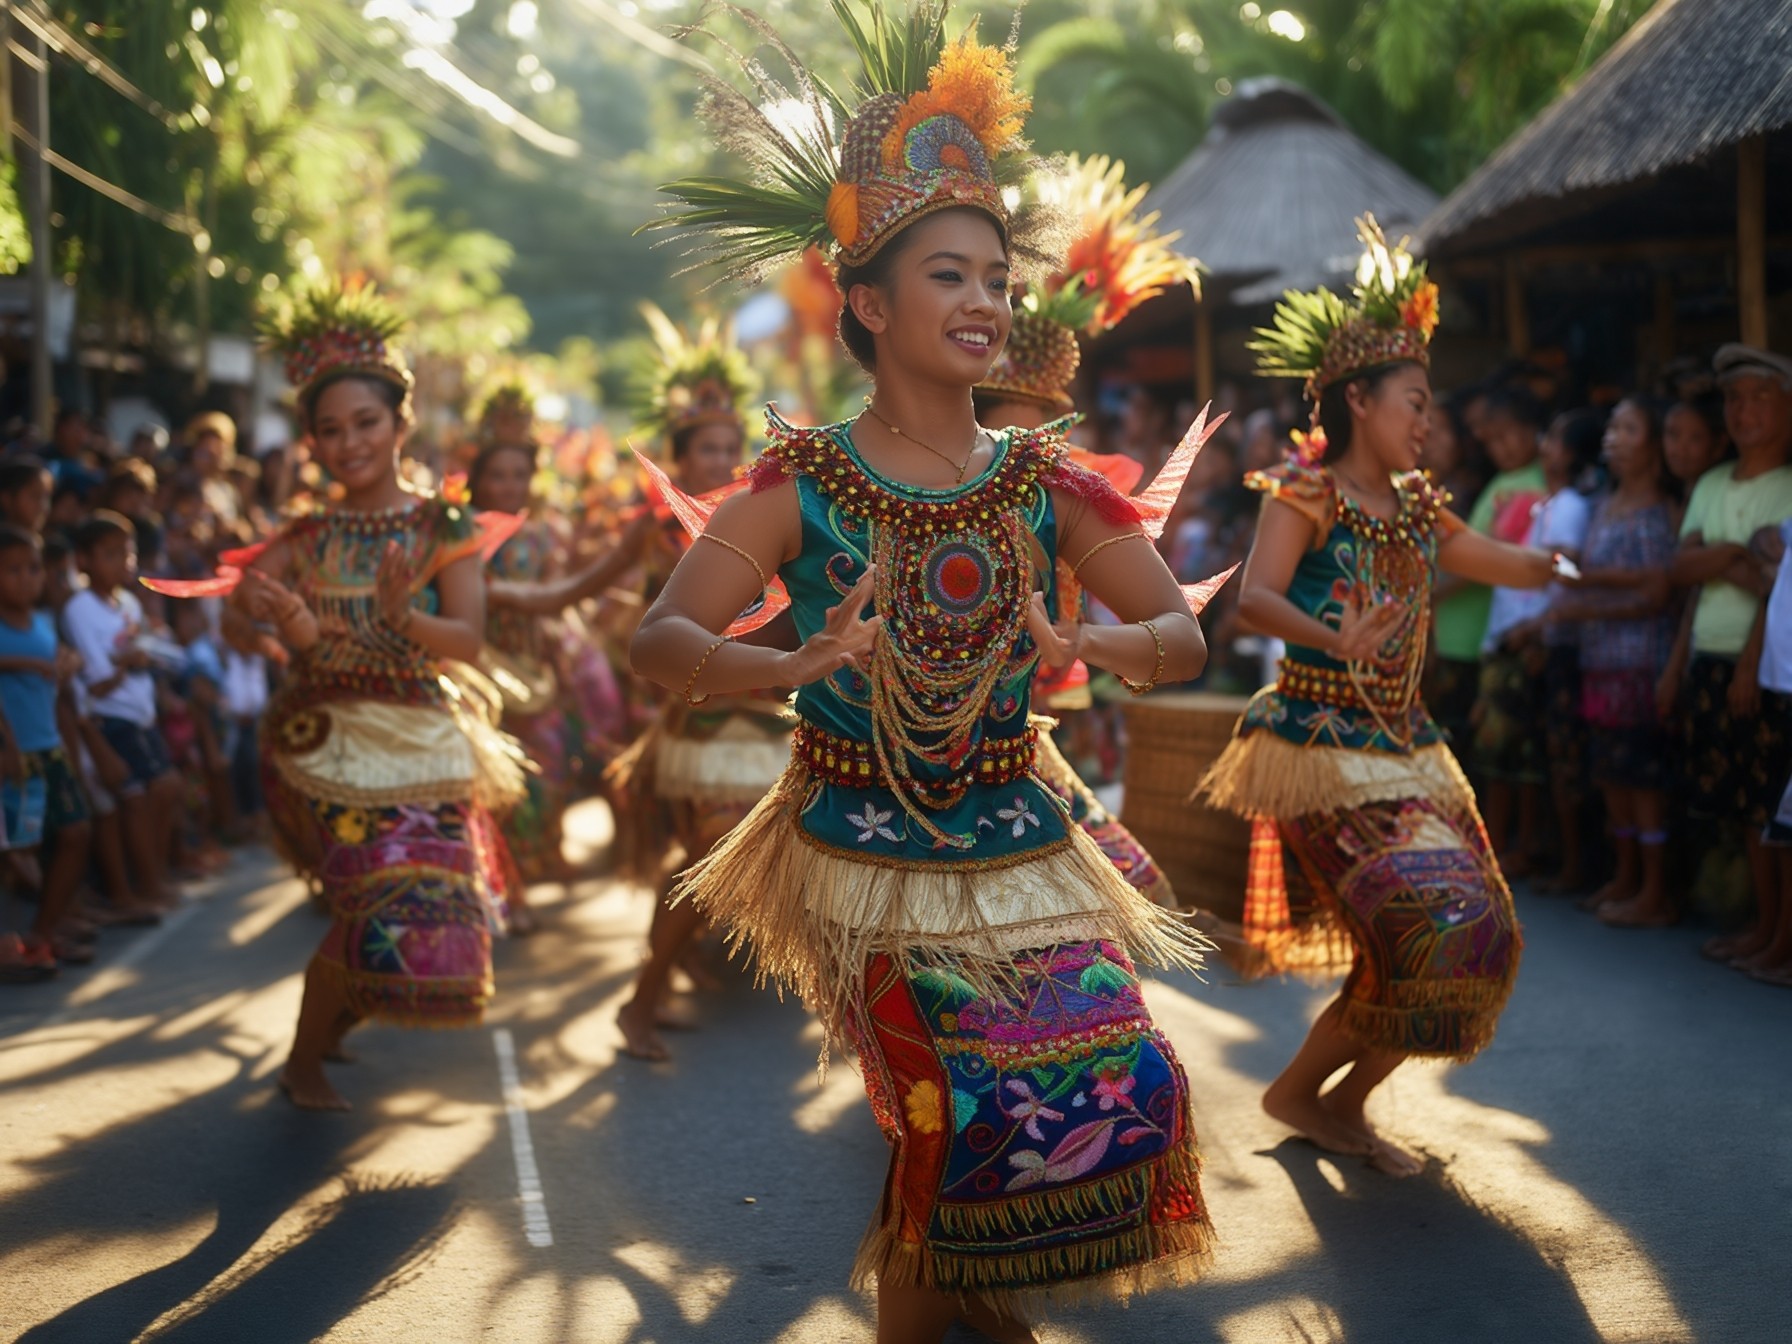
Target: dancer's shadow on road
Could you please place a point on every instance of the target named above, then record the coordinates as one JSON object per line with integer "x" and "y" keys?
{"x": 1464, "y": 1276}
{"x": 347, "y": 1244}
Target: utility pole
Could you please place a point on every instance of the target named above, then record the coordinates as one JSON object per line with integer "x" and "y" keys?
{"x": 34, "y": 110}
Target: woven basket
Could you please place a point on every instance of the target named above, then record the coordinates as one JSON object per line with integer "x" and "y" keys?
{"x": 1170, "y": 741}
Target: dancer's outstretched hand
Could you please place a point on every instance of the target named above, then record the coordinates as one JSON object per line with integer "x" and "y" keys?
{"x": 1365, "y": 626}
{"x": 845, "y": 641}
{"x": 1058, "y": 643}
{"x": 272, "y": 601}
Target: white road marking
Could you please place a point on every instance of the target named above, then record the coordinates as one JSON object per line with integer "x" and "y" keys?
{"x": 528, "y": 1175}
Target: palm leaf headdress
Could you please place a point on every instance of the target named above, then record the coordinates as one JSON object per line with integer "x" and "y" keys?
{"x": 340, "y": 327}
{"x": 926, "y": 123}
{"x": 692, "y": 378}
{"x": 1325, "y": 339}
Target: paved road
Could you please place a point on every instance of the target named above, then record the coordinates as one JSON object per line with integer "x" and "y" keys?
{"x": 1617, "y": 1166}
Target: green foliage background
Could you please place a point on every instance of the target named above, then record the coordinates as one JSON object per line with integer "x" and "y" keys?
{"x": 297, "y": 141}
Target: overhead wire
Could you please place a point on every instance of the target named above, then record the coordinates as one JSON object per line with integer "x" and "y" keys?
{"x": 35, "y": 16}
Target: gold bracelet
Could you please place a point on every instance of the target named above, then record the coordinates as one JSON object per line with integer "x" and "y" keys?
{"x": 764, "y": 582}
{"x": 1135, "y": 687}
{"x": 1099, "y": 546}
{"x": 690, "y": 682}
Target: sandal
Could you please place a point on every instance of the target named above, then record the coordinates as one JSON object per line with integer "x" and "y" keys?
{"x": 22, "y": 964}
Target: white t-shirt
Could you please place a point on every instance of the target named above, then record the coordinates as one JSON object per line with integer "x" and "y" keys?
{"x": 1776, "y": 642}
{"x": 100, "y": 628}
{"x": 1558, "y": 524}
{"x": 245, "y": 684}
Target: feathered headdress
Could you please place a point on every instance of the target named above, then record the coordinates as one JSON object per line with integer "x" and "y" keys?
{"x": 928, "y": 124}
{"x": 1325, "y": 339}
{"x": 339, "y": 328}
{"x": 1116, "y": 262}
{"x": 691, "y": 380}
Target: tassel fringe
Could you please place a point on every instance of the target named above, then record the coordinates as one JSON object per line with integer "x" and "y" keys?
{"x": 811, "y": 917}
{"x": 1263, "y": 776}
{"x": 1090, "y": 1270}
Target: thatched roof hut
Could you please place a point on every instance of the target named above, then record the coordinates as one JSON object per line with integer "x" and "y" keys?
{"x": 1266, "y": 202}
{"x": 1676, "y": 145}
{"x": 1273, "y": 191}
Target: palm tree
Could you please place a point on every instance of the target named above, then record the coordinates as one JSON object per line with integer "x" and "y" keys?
{"x": 1434, "y": 84}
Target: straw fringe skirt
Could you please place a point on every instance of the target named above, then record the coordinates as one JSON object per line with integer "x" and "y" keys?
{"x": 1378, "y": 864}
{"x": 1041, "y": 1140}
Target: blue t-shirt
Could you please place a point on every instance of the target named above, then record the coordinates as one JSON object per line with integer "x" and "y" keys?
{"x": 203, "y": 661}
{"x": 29, "y": 699}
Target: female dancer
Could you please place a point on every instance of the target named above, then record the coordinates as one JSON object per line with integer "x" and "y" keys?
{"x": 1116, "y": 262}
{"x": 379, "y": 778}
{"x": 1338, "y": 764}
{"x": 909, "y": 875}
{"x": 700, "y": 769}
{"x": 550, "y": 691}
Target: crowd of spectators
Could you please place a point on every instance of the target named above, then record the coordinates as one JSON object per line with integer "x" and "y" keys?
{"x": 127, "y": 724}
{"x": 1629, "y": 735}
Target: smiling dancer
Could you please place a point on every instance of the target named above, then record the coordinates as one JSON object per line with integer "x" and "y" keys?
{"x": 909, "y": 875}
{"x": 1366, "y": 848}
{"x": 700, "y": 769}
{"x": 379, "y": 776}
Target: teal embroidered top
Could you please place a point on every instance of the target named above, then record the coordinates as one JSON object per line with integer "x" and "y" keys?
{"x": 1316, "y": 699}
{"x": 929, "y": 759}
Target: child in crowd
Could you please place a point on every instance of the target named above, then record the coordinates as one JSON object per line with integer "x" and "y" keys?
{"x": 1525, "y": 507}
{"x": 1570, "y": 453}
{"x": 102, "y": 621}
{"x": 198, "y": 686}
{"x": 1626, "y": 626}
{"x": 1506, "y": 423}
{"x": 243, "y": 700}
{"x": 43, "y": 801}
{"x": 1737, "y": 743}
{"x": 25, "y": 493}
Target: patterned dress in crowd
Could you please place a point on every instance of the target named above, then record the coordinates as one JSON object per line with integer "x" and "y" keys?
{"x": 1622, "y": 658}
{"x": 519, "y": 657}
{"x": 381, "y": 773}
{"x": 932, "y": 900}
{"x": 1367, "y": 851}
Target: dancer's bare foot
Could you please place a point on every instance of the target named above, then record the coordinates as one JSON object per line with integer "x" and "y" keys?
{"x": 1780, "y": 975}
{"x": 640, "y": 1040}
{"x": 1308, "y": 1117}
{"x": 1392, "y": 1160}
{"x": 309, "y": 1090}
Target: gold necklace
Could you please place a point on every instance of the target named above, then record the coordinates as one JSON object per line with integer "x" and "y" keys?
{"x": 959, "y": 467}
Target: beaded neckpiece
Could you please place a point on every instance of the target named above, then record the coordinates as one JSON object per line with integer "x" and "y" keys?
{"x": 1393, "y": 560}
{"x": 955, "y": 574}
